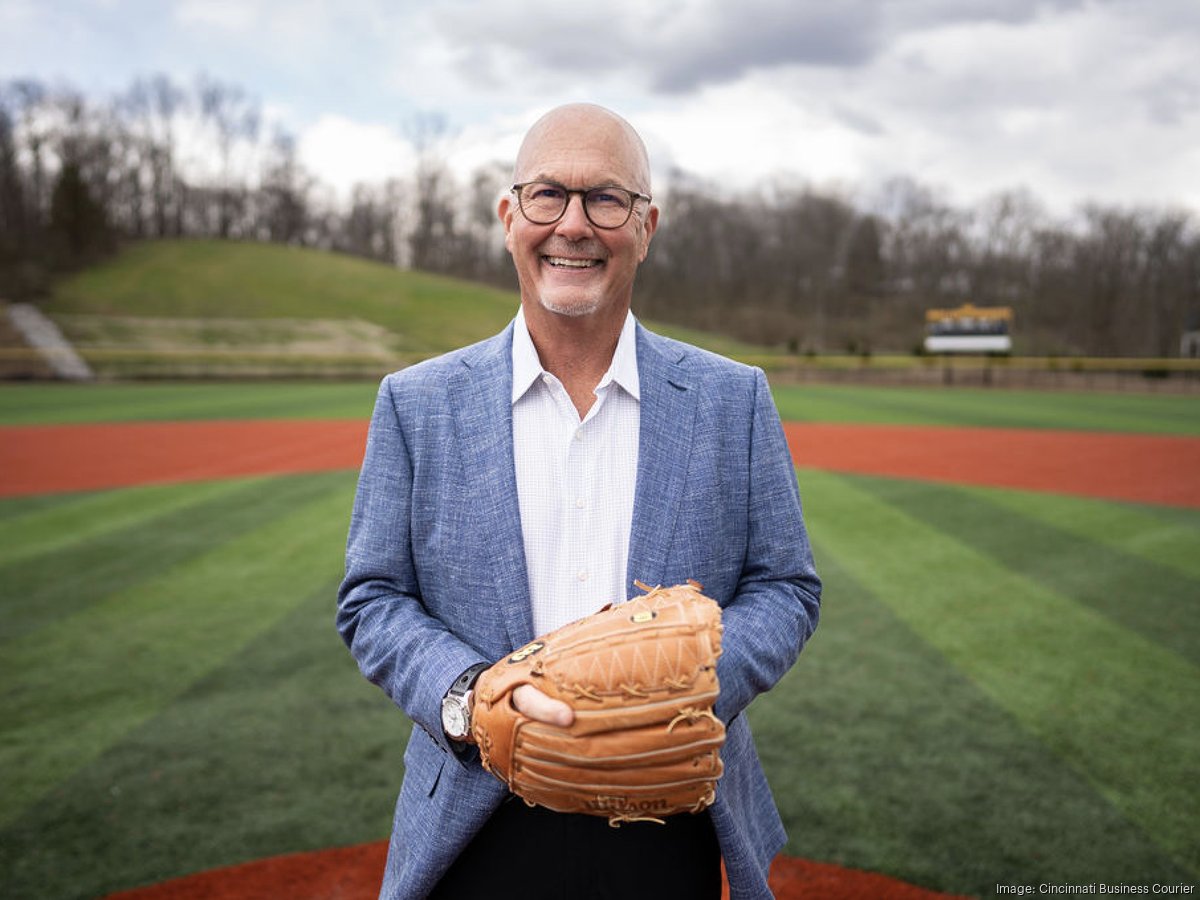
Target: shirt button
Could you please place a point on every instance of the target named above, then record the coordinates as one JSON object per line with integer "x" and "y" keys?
{"x": 579, "y": 434}
{"x": 580, "y": 503}
{"x": 582, "y": 575}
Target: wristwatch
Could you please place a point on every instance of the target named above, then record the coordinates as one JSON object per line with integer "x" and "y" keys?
{"x": 456, "y": 705}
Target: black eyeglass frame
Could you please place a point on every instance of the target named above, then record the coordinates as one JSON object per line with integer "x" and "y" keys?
{"x": 634, "y": 196}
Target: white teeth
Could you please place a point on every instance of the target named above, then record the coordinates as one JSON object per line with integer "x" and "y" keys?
{"x": 570, "y": 263}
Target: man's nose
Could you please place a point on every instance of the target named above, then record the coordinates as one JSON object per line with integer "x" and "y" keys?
{"x": 574, "y": 219}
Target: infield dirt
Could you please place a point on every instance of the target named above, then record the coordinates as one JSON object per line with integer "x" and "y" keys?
{"x": 1131, "y": 467}
{"x": 353, "y": 873}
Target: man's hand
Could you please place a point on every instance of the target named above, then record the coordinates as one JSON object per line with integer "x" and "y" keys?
{"x": 611, "y": 715}
{"x": 531, "y": 702}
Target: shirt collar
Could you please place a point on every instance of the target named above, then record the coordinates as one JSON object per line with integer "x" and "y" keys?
{"x": 527, "y": 367}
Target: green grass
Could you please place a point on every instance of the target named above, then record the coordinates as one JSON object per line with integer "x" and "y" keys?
{"x": 1099, "y": 684}
{"x": 36, "y": 404}
{"x": 1004, "y": 686}
{"x": 278, "y": 750}
{"x": 883, "y": 755}
{"x": 244, "y": 731}
{"x": 995, "y": 408}
{"x": 178, "y": 698}
{"x": 196, "y": 279}
{"x": 107, "y": 677}
{"x": 51, "y": 404}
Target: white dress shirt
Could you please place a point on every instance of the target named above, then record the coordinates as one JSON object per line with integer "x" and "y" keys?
{"x": 575, "y": 481}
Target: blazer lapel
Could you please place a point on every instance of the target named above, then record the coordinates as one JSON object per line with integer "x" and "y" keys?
{"x": 668, "y": 408}
{"x": 481, "y": 398}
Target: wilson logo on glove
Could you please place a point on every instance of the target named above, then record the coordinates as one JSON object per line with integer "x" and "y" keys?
{"x": 525, "y": 652}
{"x": 642, "y": 679}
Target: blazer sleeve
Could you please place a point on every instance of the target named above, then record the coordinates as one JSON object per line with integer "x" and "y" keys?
{"x": 381, "y": 616}
{"x": 777, "y": 598}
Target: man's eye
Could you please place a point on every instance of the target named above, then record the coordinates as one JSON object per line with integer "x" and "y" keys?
{"x": 546, "y": 192}
{"x": 607, "y": 198}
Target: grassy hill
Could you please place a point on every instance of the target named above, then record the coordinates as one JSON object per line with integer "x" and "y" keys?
{"x": 226, "y": 303}
{"x": 227, "y": 279}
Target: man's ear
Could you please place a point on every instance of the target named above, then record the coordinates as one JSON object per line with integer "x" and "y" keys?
{"x": 506, "y": 209}
{"x": 649, "y": 226}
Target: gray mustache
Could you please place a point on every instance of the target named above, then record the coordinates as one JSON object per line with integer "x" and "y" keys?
{"x": 566, "y": 248}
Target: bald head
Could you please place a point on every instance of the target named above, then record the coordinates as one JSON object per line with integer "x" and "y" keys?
{"x": 591, "y": 133}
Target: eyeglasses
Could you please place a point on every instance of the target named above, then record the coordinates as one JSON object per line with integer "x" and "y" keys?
{"x": 545, "y": 202}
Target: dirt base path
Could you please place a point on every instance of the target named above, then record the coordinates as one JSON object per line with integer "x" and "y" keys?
{"x": 354, "y": 873}
{"x": 1140, "y": 468}
{"x": 1133, "y": 467}
{"x": 58, "y": 458}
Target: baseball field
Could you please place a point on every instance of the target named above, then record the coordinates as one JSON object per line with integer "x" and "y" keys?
{"x": 1004, "y": 690}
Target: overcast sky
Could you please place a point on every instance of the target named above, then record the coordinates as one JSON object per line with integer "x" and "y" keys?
{"x": 1072, "y": 100}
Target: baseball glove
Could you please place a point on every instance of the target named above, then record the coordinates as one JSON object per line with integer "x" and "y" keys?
{"x": 642, "y": 679}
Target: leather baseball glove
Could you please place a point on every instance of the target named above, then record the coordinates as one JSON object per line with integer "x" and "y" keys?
{"x": 642, "y": 679}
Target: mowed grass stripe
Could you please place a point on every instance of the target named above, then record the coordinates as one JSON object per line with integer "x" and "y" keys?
{"x": 49, "y": 404}
{"x": 977, "y": 407}
{"x": 104, "y": 543}
{"x": 1165, "y": 537}
{"x": 62, "y": 520}
{"x": 283, "y": 747}
{"x": 1121, "y": 709}
{"x": 884, "y": 756}
{"x": 71, "y": 691}
{"x": 1153, "y": 600}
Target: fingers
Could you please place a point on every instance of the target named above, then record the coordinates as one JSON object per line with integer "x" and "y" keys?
{"x": 531, "y": 702}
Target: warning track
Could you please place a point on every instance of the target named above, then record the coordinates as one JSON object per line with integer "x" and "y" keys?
{"x": 1131, "y": 467}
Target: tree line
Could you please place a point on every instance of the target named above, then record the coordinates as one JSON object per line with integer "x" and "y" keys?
{"x": 787, "y": 264}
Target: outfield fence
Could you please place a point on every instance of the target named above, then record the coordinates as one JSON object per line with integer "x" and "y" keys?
{"x": 1062, "y": 373}
{"x": 1167, "y": 375}
{"x": 142, "y": 365}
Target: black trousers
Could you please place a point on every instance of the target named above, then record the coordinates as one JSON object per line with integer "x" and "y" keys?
{"x": 531, "y": 853}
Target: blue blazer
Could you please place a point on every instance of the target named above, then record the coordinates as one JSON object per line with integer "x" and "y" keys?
{"x": 436, "y": 580}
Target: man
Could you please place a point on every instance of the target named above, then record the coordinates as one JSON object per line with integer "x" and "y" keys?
{"x": 520, "y": 483}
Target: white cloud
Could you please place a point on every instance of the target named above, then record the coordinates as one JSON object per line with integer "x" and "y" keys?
{"x": 18, "y": 14}
{"x": 1073, "y": 98}
{"x": 1059, "y": 105}
{"x": 228, "y": 15}
{"x": 344, "y": 153}
{"x": 736, "y": 134}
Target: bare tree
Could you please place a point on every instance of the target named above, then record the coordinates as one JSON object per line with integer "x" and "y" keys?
{"x": 483, "y": 237}
{"x": 369, "y": 228}
{"x": 18, "y": 231}
{"x": 283, "y": 196}
{"x": 234, "y": 117}
{"x": 432, "y": 240}
{"x": 150, "y": 109}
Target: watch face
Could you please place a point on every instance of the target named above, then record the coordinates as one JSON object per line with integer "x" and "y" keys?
{"x": 454, "y": 718}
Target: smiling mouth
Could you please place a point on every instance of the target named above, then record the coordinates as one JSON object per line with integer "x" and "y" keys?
{"x": 565, "y": 262}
